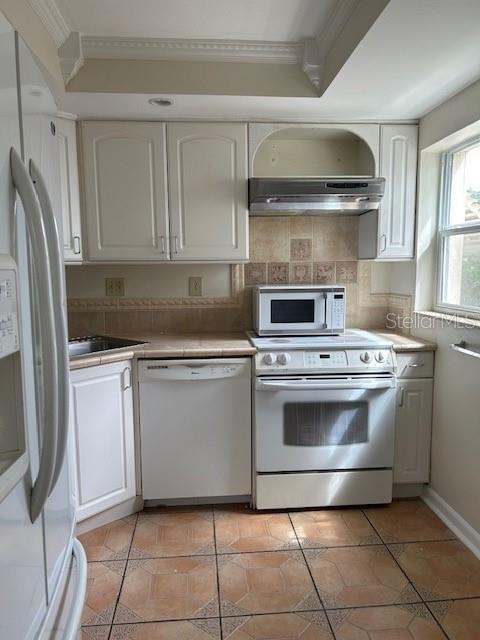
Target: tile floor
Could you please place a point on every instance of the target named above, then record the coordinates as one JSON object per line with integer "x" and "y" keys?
{"x": 226, "y": 573}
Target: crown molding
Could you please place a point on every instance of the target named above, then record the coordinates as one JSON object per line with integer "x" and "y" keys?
{"x": 335, "y": 24}
{"x": 52, "y": 19}
{"x": 71, "y": 56}
{"x": 315, "y": 49}
{"x": 191, "y": 50}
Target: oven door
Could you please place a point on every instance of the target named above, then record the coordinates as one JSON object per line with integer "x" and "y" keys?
{"x": 320, "y": 424}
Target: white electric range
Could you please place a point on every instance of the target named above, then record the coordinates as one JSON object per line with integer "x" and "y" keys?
{"x": 324, "y": 410}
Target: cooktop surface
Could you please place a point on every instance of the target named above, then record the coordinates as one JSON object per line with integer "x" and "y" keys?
{"x": 350, "y": 338}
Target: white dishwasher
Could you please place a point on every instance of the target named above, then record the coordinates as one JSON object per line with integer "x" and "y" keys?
{"x": 195, "y": 428}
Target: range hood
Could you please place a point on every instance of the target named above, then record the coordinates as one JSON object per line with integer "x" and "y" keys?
{"x": 314, "y": 196}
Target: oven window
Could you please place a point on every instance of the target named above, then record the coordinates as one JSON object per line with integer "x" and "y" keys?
{"x": 325, "y": 424}
{"x": 292, "y": 311}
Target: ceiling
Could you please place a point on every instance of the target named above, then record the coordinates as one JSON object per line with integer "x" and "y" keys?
{"x": 329, "y": 59}
{"x": 272, "y": 20}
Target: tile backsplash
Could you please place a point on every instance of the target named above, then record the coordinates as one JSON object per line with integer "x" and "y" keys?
{"x": 297, "y": 250}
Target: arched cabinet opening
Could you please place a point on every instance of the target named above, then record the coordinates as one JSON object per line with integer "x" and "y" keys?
{"x": 312, "y": 151}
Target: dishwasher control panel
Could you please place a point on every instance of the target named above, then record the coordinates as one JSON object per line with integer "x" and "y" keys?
{"x": 193, "y": 369}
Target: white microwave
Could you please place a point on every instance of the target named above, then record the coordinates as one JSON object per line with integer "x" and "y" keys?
{"x": 298, "y": 310}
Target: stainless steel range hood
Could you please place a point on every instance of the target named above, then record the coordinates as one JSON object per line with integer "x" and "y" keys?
{"x": 314, "y": 196}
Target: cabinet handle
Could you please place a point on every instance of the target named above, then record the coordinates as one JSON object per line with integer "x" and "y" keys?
{"x": 401, "y": 396}
{"x": 414, "y": 365}
{"x": 175, "y": 244}
{"x": 76, "y": 245}
{"x": 127, "y": 375}
{"x": 162, "y": 244}
{"x": 383, "y": 238}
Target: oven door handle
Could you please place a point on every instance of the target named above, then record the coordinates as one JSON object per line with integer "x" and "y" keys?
{"x": 326, "y": 385}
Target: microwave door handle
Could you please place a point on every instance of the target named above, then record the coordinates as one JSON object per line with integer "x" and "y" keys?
{"x": 327, "y": 324}
{"x": 58, "y": 288}
{"x": 325, "y": 385}
{"x": 41, "y": 267}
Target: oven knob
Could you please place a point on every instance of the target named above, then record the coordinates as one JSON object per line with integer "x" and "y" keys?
{"x": 284, "y": 358}
{"x": 365, "y": 357}
{"x": 269, "y": 358}
{"x": 379, "y": 357}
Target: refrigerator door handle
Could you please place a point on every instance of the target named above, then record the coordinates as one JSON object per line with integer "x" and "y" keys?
{"x": 56, "y": 264}
{"x": 46, "y": 320}
{"x": 71, "y": 629}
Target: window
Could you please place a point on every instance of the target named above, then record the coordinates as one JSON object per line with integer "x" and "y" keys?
{"x": 459, "y": 230}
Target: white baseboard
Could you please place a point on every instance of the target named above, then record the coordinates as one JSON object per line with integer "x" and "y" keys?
{"x": 127, "y": 508}
{"x": 460, "y": 527}
{"x": 407, "y": 490}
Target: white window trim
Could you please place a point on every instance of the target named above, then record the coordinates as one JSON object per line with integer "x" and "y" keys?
{"x": 444, "y": 231}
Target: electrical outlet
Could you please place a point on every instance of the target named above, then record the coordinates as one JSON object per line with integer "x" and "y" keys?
{"x": 195, "y": 286}
{"x": 115, "y": 287}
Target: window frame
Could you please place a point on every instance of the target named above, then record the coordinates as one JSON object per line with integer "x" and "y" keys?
{"x": 446, "y": 231}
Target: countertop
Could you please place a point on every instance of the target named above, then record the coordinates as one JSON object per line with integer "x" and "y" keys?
{"x": 205, "y": 345}
{"x": 402, "y": 342}
{"x": 173, "y": 346}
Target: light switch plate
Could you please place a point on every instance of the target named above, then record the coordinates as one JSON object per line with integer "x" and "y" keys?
{"x": 195, "y": 286}
{"x": 115, "y": 287}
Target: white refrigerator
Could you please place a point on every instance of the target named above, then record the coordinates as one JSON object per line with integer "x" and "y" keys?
{"x": 42, "y": 566}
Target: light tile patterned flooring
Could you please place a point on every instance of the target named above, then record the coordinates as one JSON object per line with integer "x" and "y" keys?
{"x": 227, "y": 573}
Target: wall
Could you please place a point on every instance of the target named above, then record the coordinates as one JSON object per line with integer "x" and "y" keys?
{"x": 204, "y": 78}
{"x": 28, "y": 24}
{"x": 456, "y": 410}
{"x": 295, "y": 250}
{"x": 156, "y": 299}
{"x": 322, "y": 250}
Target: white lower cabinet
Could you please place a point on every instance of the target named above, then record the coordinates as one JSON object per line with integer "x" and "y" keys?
{"x": 102, "y": 443}
{"x": 413, "y": 426}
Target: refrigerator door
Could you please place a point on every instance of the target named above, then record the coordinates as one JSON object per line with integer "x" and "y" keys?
{"x": 22, "y": 584}
{"x": 42, "y": 147}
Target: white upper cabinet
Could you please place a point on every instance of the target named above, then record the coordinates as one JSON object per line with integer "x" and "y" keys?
{"x": 398, "y": 165}
{"x": 125, "y": 190}
{"x": 389, "y": 233}
{"x": 207, "y": 180}
{"x": 41, "y": 146}
{"x": 69, "y": 189}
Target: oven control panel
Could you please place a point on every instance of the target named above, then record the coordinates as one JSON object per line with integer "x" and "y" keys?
{"x": 357, "y": 360}
{"x": 321, "y": 359}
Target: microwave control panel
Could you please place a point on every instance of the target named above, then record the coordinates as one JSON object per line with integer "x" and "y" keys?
{"x": 9, "y": 340}
{"x": 338, "y": 311}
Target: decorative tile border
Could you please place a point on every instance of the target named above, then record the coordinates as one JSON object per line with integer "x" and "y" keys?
{"x": 354, "y": 274}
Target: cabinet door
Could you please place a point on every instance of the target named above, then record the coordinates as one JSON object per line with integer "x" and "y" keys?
{"x": 69, "y": 190}
{"x": 398, "y": 165}
{"x": 101, "y": 416}
{"x": 207, "y": 179}
{"x": 41, "y": 146}
{"x": 125, "y": 190}
{"x": 413, "y": 425}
